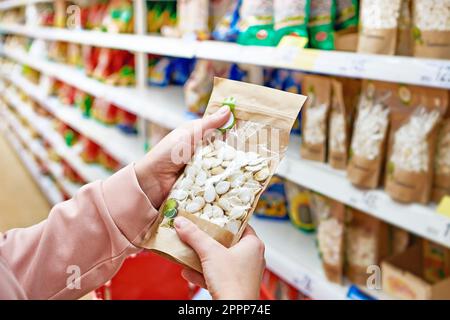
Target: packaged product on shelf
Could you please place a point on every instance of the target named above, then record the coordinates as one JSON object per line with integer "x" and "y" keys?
{"x": 291, "y": 19}
{"x": 153, "y": 134}
{"x": 431, "y": 20}
{"x": 441, "y": 180}
{"x": 227, "y": 28}
{"x": 66, "y": 94}
{"x": 31, "y": 74}
{"x": 74, "y": 56}
{"x": 367, "y": 242}
{"x": 405, "y": 275}
{"x": 315, "y": 117}
{"x": 370, "y": 131}
{"x": 119, "y": 17}
{"x": 180, "y": 70}
{"x": 83, "y": 101}
{"x": 272, "y": 203}
{"x": 115, "y": 67}
{"x": 400, "y": 240}
{"x": 346, "y": 25}
{"x": 70, "y": 174}
{"x": 90, "y": 152}
{"x": 127, "y": 121}
{"x": 70, "y": 136}
{"x": 97, "y": 12}
{"x": 341, "y": 116}
{"x": 90, "y": 59}
{"x": 60, "y": 8}
{"x": 330, "y": 215}
{"x": 199, "y": 86}
{"x": 321, "y": 24}
{"x": 436, "y": 261}
{"x": 404, "y": 34}
{"x": 104, "y": 111}
{"x": 193, "y": 17}
{"x": 57, "y": 51}
{"x": 415, "y": 116}
{"x": 379, "y": 23}
{"x": 160, "y": 73}
{"x": 217, "y": 11}
{"x": 160, "y": 15}
{"x": 299, "y": 208}
{"x": 256, "y": 23}
{"x": 44, "y": 15}
{"x": 221, "y": 184}
{"x": 107, "y": 161}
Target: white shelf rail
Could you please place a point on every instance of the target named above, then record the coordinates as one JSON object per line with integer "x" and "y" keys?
{"x": 11, "y": 4}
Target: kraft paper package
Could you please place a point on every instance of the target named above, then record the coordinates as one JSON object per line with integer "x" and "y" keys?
{"x": 221, "y": 184}
{"x": 345, "y": 93}
{"x": 315, "y": 117}
{"x": 370, "y": 130}
{"x": 378, "y": 26}
{"x": 404, "y": 32}
{"x": 416, "y": 113}
{"x": 346, "y": 25}
{"x": 367, "y": 243}
{"x": 441, "y": 180}
{"x": 431, "y": 31}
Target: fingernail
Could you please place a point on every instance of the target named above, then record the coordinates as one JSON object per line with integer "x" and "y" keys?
{"x": 180, "y": 222}
{"x": 223, "y": 110}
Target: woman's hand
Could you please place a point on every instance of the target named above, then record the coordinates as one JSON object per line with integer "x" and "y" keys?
{"x": 228, "y": 273}
{"x": 160, "y": 168}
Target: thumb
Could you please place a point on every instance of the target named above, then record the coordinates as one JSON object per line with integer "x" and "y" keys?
{"x": 217, "y": 119}
{"x": 198, "y": 240}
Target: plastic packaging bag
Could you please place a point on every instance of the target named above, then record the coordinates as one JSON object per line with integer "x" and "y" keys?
{"x": 273, "y": 203}
{"x": 299, "y": 207}
{"x": 291, "y": 18}
{"x": 227, "y": 28}
{"x": 221, "y": 184}
{"x": 321, "y": 24}
{"x": 441, "y": 181}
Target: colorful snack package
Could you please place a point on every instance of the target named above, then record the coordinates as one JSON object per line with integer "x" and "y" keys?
{"x": 299, "y": 207}
{"x": 104, "y": 111}
{"x": 416, "y": 113}
{"x": 119, "y": 17}
{"x": 431, "y": 20}
{"x": 256, "y": 23}
{"x": 367, "y": 242}
{"x": 379, "y": 23}
{"x": 91, "y": 151}
{"x": 441, "y": 180}
{"x": 273, "y": 204}
{"x": 227, "y": 28}
{"x": 315, "y": 117}
{"x": 160, "y": 73}
{"x": 436, "y": 261}
{"x": 330, "y": 235}
{"x": 221, "y": 184}
{"x": 291, "y": 18}
{"x": 84, "y": 102}
{"x": 370, "y": 131}
{"x": 344, "y": 92}
{"x": 127, "y": 121}
{"x": 321, "y": 24}
{"x": 346, "y": 25}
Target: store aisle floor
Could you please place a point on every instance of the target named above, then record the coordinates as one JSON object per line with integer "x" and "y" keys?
{"x": 21, "y": 202}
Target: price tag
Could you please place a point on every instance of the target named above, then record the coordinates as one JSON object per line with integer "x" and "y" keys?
{"x": 444, "y": 206}
{"x": 304, "y": 282}
{"x": 290, "y": 53}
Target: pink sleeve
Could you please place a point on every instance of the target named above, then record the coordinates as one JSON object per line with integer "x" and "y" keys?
{"x": 93, "y": 233}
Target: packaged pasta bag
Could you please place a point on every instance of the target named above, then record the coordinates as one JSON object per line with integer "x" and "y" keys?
{"x": 346, "y": 25}
{"x": 256, "y": 23}
{"x": 193, "y": 17}
{"x": 330, "y": 235}
{"x": 370, "y": 130}
{"x": 291, "y": 18}
{"x": 441, "y": 181}
{"x": 431, "y": 19}
{"x": 315, "y": 117}
{"x": 378, "y": 26}
{"x": 321, "y": 24}
{"x": 341, "y": 115}
{"x": 221, "y": 184}
{"x": 366, "y": 243}
{"x": 415, "y": 116}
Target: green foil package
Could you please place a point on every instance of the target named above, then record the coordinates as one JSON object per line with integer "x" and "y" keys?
{"x": 346, "y": 14}
{"x": 256, "y": 23}
{"x": 291, "y": 18}
{"x": 321, "y": 24}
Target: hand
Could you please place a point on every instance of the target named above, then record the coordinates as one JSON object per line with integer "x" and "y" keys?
{"x": 160, "y": 168}
{"x": 228, "y": 273}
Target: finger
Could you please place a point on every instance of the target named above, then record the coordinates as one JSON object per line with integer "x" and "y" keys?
{"x": 198, "y": 240}
{"x": 216, "y": 120}
{"x": 193, "y": 277}
{"x": 249, "y": 231}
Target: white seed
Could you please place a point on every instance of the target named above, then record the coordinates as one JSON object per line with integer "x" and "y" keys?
{"x": 255, "y": 168}
{"x": 219, "y": 221}
{"x": 193, "y": 207}
{"x": 255, "y": 162}
{"x": 219, "y": 144}
{"x": 205, "y": 217}
{"x": 217, "y": 211}
{"x": 233, "y": 226}
{"x": 210, "y": 193}
{"x": 206, "y": 150}
{"x": 191, "y": 171}
{"x": 200, "y": 201}
{"x": 229, "y": 153}
{"x": 225, "y": 164}
{"x": 246, "y": 195}
{"x": 237, "y": 180}
{"x": 262, "y": 175}
{"x": 179, "y": 194}
{"x": 207, "y": 163}
{"x": 224, "y": 203}
{"x": 201, "y": 178}
{"x": 207, "y": 210}
{"x": 185, "y": 184}
{"x": 238, "y": 213}
{"x": 217, "y": 170}
{"x": 240, "y": 159}
{"x": 222, "y": 187}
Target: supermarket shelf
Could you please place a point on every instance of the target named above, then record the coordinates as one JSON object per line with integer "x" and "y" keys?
{"x": 408, "y": 70}
{"x": 37, "y": 149}
{"x": 154, "y": 44}
{"x": 44, "y": 183}
{"x": 71, "y": 155}
{"x": 419, "y": 219}
{"x": 126, "y": 148}
{"x": 163, "y": 106}
{"x": 10, "y": 4}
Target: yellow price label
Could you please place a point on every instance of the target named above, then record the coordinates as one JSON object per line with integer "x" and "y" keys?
{"x": 294, "y": 54}
{"x": 444, "y": 206}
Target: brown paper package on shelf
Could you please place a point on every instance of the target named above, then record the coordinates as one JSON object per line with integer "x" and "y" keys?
{"x": 345, "y": 94}
{"x": 263, "y": 120}
{"x": 367, "y": 243}
{"x": 315, "y": 117}
{"x": 441, "y": 181}
{"x": 409, "y": 176}
{"x": 366, "y": 155}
